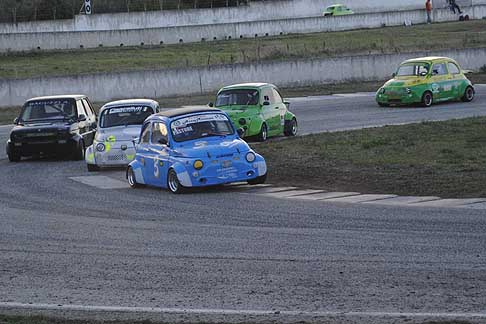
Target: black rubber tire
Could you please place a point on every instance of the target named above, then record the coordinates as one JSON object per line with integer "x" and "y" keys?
{"x": 173, "y": 183}
{"x": 132, "y": 180}
{"x": 468, "y": 94}
{"x": 427, "y": 99}
{"x": 78, "y": 153}
{"x": 14, "y": 156}
{"x": 93, "y": 167}
{"x": 258, "y": 180}
{"x": 381, "y": 104}
{"x": 263, "y": 135}
{"x": 291, "y": 127}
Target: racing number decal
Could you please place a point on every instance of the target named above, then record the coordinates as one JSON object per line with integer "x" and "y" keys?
{"x": 156, "y": 168}
{"x": 435, "y": 87}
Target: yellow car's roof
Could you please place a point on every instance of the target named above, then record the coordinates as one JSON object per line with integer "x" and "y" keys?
{"x": 429, "y": 59}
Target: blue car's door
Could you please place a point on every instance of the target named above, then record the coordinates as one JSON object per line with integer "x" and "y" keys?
{"x": 161, "y": 152}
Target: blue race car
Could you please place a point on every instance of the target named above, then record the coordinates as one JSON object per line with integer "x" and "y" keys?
{"x": 193, "y": 147}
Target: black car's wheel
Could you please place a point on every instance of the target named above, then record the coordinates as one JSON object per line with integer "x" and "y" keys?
{"x": 427, "y": 99}
{"x": 78, "y": 153}
{"x": 468, "y": 94}
{"x": 291, "y": 127}
{"x": 173, "y": 183}
{"x": 258, "y": 180}
{"x": 14, "y": 156}
{"x": 132, "y": 181}
{"x": 262, "y": 137}
{"x": 93, "y": 167}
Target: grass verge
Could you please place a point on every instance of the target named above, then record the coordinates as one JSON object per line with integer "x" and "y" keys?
{"x": 446, "y": 159}
{"x": 317, "y": 45}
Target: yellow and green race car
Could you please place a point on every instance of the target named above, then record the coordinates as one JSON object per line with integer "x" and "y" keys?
{"x": 425, "y": 81}
{"x": 337, "y": 10}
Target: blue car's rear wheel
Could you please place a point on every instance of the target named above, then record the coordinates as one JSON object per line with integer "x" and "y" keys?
{"x": 173, "y": 183}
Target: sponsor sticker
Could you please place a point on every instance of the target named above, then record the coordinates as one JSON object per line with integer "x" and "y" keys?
{"x": 132, "y": 109}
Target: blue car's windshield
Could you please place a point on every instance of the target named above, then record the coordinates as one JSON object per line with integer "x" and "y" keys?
{"x": 201, "y": 125}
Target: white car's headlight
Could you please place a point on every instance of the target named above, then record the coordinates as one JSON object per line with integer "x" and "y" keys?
{"x": 250, "y": 157}
{"x": 100, "y": 147}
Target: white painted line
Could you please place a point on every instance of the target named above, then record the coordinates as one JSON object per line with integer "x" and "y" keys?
{"x": 474, "y": 206}
{"x": 269, "y": 190}
{"x": 215, "y": 311}
{"x": 360, "y": 198}
{"x": 290, "y": 193}
{"x": 449, "y": 202}
{"x": 101, "y": 182}
{"x": 403, "y": 200}
{"x": 327, "y": 195}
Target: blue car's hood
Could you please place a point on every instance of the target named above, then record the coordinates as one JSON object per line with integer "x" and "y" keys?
{"x": 212, "y": 148}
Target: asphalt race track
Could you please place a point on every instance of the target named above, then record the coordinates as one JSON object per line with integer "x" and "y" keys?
{"x": 233, "y": 255}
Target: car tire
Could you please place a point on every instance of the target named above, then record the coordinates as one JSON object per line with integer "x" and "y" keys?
{"x": 381, "y": 104}
{"x": 132, "y": 180}
{"x": 427, "y": 99}
{"x": 263, "y": 135}
{"x": 468, "y": 94}
{"x": 78, "y": 153}
{"x": 173, "y": 183}
{"x": 258, "y": 180}
{"x": 14, "y": 156}
{"x": 291, "y": 127}
{"x": 93, "y": 167}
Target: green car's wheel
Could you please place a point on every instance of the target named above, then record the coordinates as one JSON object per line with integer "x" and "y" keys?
{"x": 427, "y": 99}
{"x": 258, "y": 180}
{"x": 291, "y": 127}
{"x": 381, "y": 104}
{"x": 262, "y": 137}
{"x": 173, "y": 183}
{"x": 93, "y": 167}
{"x": 468, "y": 94}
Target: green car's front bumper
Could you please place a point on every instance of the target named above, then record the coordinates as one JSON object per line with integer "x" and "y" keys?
{"x": 398, "y": 96}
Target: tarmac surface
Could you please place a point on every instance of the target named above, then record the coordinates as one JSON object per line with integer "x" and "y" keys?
{"x": 73, "y": 249}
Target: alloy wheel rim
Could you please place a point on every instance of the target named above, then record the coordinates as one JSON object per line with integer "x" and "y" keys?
{"x": 264, "y": 133}
{"x": 131, "y": 179}
{"x": 428, "y": 99}
{"x": 470, "y": 94}
{"x": 294, "y": 128}
{"x": 173, "y": 185}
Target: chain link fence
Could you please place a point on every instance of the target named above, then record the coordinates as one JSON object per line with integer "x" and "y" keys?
{"x": 14, "y": 11}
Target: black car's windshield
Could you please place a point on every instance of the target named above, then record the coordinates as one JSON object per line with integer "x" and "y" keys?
{"x": 200, "y": 126}
{"x": 417, "y": 69}
{"x": 242, "y": 97}
{"x": 48, "y": 109}
{"x": 123, "y": 116}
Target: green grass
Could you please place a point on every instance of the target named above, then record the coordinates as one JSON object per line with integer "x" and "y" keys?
{"x": 317, "y": 45}
{"x": 446, "y": 159}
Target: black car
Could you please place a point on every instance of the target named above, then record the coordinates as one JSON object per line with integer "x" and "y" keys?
{"x": 60, "y": 125}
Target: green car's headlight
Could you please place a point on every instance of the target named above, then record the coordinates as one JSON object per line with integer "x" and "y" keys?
{"x": 381, "y": 91}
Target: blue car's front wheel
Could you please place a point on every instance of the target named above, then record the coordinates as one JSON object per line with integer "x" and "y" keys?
{"x": 132, "y": 181}
{"x": 173, "y": 183}
{"x": 258, "y": 180}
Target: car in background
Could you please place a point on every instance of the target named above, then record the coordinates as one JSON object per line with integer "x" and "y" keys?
{"x": 119, "y": 124}
{"x": 258, "y": 108}
{"x": 193, "y": 147}
{"x": 55, "y": 125}
{"x": 425, "y": 81}
{"x": 337, "y": 10}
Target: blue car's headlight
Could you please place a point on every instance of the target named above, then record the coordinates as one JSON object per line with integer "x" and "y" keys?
{"x": 250, "y": 157}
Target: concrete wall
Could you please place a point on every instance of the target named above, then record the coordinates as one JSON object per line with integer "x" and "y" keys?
{"x": 260, "y": 10}
{"x": 176, "y": 82}
{"x": 172, "y": 35}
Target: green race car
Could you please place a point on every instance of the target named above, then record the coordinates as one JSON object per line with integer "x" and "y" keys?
{"x": 337, "y": 10}
{"x": 425, "y": 81}
{"x": 257, "y": 108}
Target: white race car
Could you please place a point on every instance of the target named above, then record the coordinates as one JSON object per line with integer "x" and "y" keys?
{"x": 119, "y": 123}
